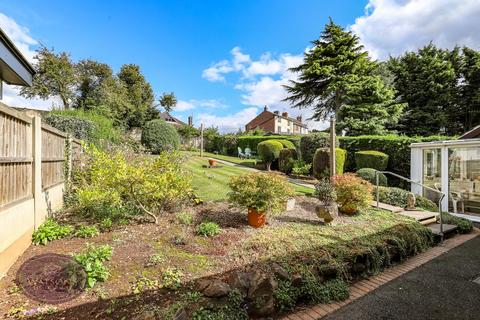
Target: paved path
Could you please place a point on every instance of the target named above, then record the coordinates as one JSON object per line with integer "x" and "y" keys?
{"x": 440, "y": 289}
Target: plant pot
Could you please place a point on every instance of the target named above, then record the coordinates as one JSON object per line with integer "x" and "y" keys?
{"x": 256, "y": 219}
{"x": 327, "y": 212}
{"x": 212, "y": 162}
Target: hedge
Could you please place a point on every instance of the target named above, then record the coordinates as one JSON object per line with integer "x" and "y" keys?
{"x": 226, "y": 144}
{"x": 286, "y": 160}
{"x": 253, "y": 141}
{"x": 396, "y": 147}
{"x": 310, "y": 143}
{"x": 287, "y": 144}
{"x": 398, "y": 197}
{"x": 158, "y": 136}
{"x": 371, "y": 159}
{"x": 321, "y": 162}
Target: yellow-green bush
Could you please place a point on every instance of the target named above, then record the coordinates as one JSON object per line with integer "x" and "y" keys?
{"x": 269, "y": 151}
{"x": 371, "y": 159}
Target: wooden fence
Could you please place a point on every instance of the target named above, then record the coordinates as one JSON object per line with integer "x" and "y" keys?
{"x": 32, "y": 176}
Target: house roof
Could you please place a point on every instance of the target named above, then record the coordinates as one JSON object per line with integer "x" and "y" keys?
{"x": 169, "y": 118}
{"x": 472, "y": 134}
{"x": 295, "y": 121}
{"x": 14, "y": 67}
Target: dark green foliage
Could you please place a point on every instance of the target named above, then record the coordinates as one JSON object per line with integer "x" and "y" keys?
{"x": 50, "y": 230}
{"x": 310, "y": 143}
{"x": 168, "y": 101}
{"x": 286, "y": 143}
{"x": 226, "y": 144}
{"x": 464, "y": 225}
{"x": 78, "y": 128}
{"x": 396, "y": 147}
{"x": 158, "y": 136}
{"x": 369, "y": 175}
{"x": 253, "y": 141}
{"x": 269, "y": 151}
{"x": 286, "y": 160}
{"x": 325, "y": 192}
{"x": 398, "y": 197}
{"x": 321, "y": 162}
{"x": 371, "y": 159}
{"x": 469, "y": 92}
{"x": 234, "y": 309}
{"x": 91, "y": 259}
{"x": 208, "y": 229}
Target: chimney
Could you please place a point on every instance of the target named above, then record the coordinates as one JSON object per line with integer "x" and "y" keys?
{"x": 285, "y": 114}
{"x": 276, "y": 112}
{"x": 299, "y": 119}
{"x": 190, "y": 121}
{"x": 265, "y": 108}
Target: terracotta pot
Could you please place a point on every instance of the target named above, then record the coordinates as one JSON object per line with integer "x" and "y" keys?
{"x": 212, "y": 162}
{"x": 256, "y": 219}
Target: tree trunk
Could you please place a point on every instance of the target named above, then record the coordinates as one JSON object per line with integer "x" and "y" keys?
{"x": 268, "y": 165}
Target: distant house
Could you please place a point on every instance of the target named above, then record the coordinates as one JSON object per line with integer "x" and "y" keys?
{"x": 175, "y": 121}
{"x": 274, "y": 122}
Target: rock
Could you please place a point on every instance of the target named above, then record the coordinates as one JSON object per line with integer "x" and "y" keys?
{"x": 239, "y": 280}
{"x": 327, "y": 212}
{"x": 411, "y": 201}
{"x": 216, "y": 289}
{"x": 260, "y": 295}
{"x": 280, "y": 272}
{"x": 297, "y": 280}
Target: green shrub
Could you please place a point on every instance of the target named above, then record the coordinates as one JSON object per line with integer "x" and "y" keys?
{"x": 269, "y": 151}
{"x": 397, "y": 148}
{"x": 325, "y": 192}
{"x": 300, "y": 168}
{"x": 310, "y": 143}
{"x": 50, "y": 230}
{"x": 369, "y": 175}
{"x": 253, "y": 141}
{"x": 158, "y": 136}
{"x": 266, "y": 192}
{"x": 208, "y": 229}
{"x": 321, "y": 162}
{"x": 114, "y": 185}
{"x": 353, "y": 193}
{"x": 86, "y": 232}
{"x": 398, "y": 197}
{"x": 226, "y": 144}
{"x": 463, "y": 225}
{"x": 286, "y": 160}
{"x": 91, "y": 259}
{"x": 371, "y": 159}
{"x": 185, "y": 218}
{"x": 286, "y": 143}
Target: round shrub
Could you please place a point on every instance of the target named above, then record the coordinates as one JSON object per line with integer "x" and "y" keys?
{"x": 286, "y": 144}
{"x": 158, "y": 136}
{"x": 371, "y": 159}
{"x": 286, "y": 160}
{"x": 321, "y": 162}
{"x": 353, "y": 193}
{"x": 269, "y": 151}
{"x": 369, "y": 175}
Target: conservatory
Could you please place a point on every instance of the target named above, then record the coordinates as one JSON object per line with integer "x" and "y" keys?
{"x": 452, "y": 167}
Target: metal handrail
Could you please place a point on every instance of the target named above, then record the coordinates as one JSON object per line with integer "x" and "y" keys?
{"x": 442, "y": 194}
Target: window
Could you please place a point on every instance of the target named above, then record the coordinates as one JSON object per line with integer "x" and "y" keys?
{"x": 432, "y": 172}
{"x": 279, "y": 129}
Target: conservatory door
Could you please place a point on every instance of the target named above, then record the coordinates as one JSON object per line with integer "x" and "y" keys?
{"x": 432, "y": 172}
{"x": 464, "y": 179}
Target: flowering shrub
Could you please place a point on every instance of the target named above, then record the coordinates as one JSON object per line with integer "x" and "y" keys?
{"x": 353, "y": 193}
{"x": 114, "y": 185}
{"x": 266, "y": 192}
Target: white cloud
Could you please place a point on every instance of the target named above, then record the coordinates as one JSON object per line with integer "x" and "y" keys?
{"x": 229, "y": 123}
{"x": 185, "y": 105}
{"x": 22, "y": 39}
{"x": 391, "y": 27}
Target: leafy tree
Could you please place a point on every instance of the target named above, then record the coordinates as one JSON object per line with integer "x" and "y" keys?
{"x": 187, "y": 132}
{"x": 139, "y": 93}
{"x": 55, "y": 77}
{"x": 337, "y": 77}
{"x": 427, "y": 81}
{"x": 168, "y": 101}
{"x": 210, "y": 135}
{"x": 470, "y": 89}
{"x": 91, "y": 76}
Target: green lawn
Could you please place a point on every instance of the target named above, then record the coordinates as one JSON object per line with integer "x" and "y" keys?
{"x": 244, "y": 162}
{"x": 211, "y": 184}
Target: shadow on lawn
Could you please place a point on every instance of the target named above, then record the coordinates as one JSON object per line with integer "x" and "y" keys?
{"x": 350, "y": 260}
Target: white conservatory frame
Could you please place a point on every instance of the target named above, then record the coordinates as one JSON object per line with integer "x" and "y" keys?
{"x": 417, "y": 166}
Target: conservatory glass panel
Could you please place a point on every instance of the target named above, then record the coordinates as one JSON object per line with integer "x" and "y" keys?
{"x": 432, "y": 164}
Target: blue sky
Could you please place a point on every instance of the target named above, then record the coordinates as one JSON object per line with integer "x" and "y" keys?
{"x": 223, "y": 59}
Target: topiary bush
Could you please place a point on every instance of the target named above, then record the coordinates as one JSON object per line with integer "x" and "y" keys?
{"x": 158, "y": 136}
{"x": 398, "y": 197}
{"x": 371, "y": 159}
{"x": 321, "y": 162}
{"x": 269, "y": 151}
{"x": 369, "y": 175}
{"x": 286, "y": 160}
{"x": 286, "y": 144}
{"x": 253, "y": 141}
{"x": 310, "y": 143}
{"x": 353, "y": 193}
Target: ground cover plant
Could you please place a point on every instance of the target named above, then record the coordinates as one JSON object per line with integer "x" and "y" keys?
{"x": 50, "y": 230}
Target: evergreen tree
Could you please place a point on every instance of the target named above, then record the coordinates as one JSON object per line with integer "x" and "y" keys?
{"x": 337, "y": 77}
{"x": 470, "y": 88}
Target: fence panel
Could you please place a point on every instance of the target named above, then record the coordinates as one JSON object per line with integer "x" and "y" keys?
{"x": 53, "y": 156}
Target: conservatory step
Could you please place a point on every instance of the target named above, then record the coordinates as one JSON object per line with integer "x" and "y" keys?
{"x": 424, "y": 217}
{"x": 387, "y": 207}
{"x": 447, "y": 228}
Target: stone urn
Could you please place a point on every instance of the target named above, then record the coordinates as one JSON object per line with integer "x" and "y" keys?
{"x": 212, "y": 162}
{"x": 327, "y": 211}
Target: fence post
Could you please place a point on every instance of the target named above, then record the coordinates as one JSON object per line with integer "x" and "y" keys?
{"x": 37, "y": 169}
